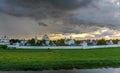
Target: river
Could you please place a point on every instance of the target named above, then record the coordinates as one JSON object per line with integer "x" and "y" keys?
{"x": 109, "y": 70}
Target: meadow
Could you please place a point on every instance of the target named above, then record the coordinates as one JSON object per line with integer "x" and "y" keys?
{"x": 14, "y": 59}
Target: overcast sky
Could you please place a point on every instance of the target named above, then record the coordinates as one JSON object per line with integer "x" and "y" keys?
{"x": 21, "y": 18}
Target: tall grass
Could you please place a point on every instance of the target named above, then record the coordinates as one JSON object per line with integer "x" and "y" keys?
{"x": 58, "y": 59}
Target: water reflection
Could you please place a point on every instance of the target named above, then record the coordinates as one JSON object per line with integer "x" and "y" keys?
{"x": 110, "y": 70}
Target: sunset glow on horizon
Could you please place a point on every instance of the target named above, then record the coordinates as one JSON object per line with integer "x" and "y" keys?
{"x": 79, "y": 19}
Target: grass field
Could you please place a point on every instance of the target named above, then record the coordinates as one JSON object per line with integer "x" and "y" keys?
{"x": 58, "y": 59}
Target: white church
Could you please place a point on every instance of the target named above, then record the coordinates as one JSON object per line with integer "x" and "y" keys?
{"x": 70, "y": 42}
{"x": 4, "y": 40}
{"x": 46, "y": 40}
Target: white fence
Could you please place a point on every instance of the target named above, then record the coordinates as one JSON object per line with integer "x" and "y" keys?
{"x": 62, "y": 47}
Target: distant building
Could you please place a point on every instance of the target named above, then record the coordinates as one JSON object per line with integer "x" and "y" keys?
{"x": 110, "y": 42}
{"x": 23, "y": 42}
{"x": 84, "y": 44}
{"x": 17, "y": 44}
{"x": 46, "y": 40}
{"x": 94, "y": 43}
{"x": 53, "y": 44}
{"x": 36, "y": 40}
{"x": 43, "y": 44}
{"x": 4, "y": 40}
{"x": 69, "y": 41}
{"x": 118, "y": 43}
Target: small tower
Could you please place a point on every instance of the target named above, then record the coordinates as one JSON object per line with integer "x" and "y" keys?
{"x": 84, "y": 44}
{"x": 65, "y": 40}
{"x": 36, "y": 40}
{"x": 118, "y": 43}
{"x": 70, "y": 41}
{"x": 111, "y": 42}
{"x": 46, "y": 39}
{"x": 4, "y": 40}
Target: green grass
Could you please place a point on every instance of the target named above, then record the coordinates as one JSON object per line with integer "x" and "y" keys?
{"x": 58, "y": 59}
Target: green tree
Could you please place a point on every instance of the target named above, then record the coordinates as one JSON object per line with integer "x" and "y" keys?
{"x": 31, "y": 42}
{"x": 60, "y": 43}
{"x": 12, "y": 41}
{"x": 115, "y": 41}
{"x": 101, "y": 42}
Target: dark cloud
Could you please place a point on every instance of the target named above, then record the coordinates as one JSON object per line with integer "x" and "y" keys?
{"x": 69, "y": 4}
{"x": 62, "y": 16}
{"x": 42, "y": 24}
{"x": 62, "y": 4}
{"x": 41, "y": 8}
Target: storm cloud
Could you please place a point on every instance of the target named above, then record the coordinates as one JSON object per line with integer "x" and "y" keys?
{"x": 58, "y": 16}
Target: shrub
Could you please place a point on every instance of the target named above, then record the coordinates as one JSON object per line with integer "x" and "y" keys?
{"x": 3, "y": 46}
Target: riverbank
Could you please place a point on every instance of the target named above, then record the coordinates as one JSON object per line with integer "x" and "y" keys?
{"x": 35, "y": 60}
{"x": 103, "y": 70}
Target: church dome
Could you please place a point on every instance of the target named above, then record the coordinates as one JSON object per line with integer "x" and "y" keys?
{"x": 46, "y": 38}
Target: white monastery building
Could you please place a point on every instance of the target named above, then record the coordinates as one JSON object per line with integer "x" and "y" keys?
{"x": 69, "y": 41}
{"x": 46, "y": 39}
{"x": 4, "y": 40}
